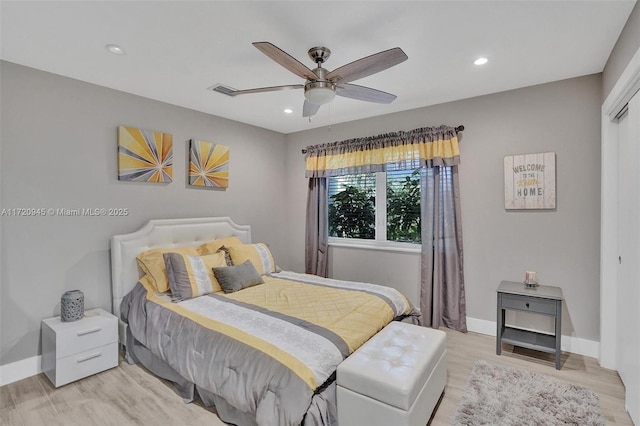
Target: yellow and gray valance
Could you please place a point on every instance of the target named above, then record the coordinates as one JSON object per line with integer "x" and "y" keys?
{"x": 423, "y": 147}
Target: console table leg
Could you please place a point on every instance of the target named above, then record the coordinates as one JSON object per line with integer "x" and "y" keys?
{"x": 500, "y": 325}
{"x": 558, "y": 332}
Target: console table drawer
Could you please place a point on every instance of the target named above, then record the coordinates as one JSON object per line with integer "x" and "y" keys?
{"x": 525, "y": 303}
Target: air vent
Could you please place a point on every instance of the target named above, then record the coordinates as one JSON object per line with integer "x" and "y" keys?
{"x": 221, "y": 88}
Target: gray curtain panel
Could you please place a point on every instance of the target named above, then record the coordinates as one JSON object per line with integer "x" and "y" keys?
{"x": 317, "y": 229}
{"x": 442, "y": 297}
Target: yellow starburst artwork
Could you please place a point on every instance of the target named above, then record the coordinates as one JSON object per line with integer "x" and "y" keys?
{"x": 208, "y": 164}
{"x": 144, "y": 155}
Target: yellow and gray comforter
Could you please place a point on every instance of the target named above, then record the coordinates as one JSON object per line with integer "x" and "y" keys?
{"x": 266, "y": 350}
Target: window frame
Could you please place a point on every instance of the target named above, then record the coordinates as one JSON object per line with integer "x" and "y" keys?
{"x": 380, "y": 242}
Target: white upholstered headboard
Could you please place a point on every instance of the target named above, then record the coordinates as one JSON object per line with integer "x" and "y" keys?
{"x": 163, "y": 233}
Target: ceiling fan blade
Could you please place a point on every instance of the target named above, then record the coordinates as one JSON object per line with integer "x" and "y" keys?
{"x": 309, "y": 109}
{"x": 362, "y": 93}
{"x": 266, "y": 89}
{"x": 286, "y": 60}
{"x": 367, "y": 66}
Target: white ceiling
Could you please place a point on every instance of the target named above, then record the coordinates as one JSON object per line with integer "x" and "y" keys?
{"x": 176, "y": 50}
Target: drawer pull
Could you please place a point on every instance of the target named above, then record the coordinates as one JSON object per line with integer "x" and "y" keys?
{"x": 92, "y": 330}
{"x": 88, "y": 357}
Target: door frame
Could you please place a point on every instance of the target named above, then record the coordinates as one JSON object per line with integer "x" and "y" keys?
{"x": 626, "y": 86}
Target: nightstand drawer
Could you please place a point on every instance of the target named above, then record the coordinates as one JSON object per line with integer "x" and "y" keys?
{"x": 83, "y": 364}
{"x": 91, "y": 332}
{"x": 524, "y": 303}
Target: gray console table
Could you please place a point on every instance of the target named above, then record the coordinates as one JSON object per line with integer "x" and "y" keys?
{"x": 544, "y": 300}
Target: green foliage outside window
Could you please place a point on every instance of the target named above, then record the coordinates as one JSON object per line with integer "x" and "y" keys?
{"x": 352, "y": 213}
{"x": 403, "y": 208}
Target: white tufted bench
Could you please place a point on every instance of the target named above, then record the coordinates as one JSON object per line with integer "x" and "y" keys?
{"x": 396, "y": 378}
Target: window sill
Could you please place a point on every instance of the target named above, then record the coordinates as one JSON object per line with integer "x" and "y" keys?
{"x": 375, "y": 245}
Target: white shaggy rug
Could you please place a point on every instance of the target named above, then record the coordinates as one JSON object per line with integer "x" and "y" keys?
{"x": 501, "y": 395}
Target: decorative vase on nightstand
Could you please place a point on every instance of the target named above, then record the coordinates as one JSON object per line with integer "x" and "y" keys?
{"x": 72, "y": 306}
{"x": 530, "y": 279}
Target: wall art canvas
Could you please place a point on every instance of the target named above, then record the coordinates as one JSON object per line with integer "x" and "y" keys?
{"x": 530, "y": 181}
{"x": 208, "y": 164}
{"x": 144, "y": 155}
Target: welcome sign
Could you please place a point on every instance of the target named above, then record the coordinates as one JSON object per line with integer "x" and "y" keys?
{"x": 530, "y": 181}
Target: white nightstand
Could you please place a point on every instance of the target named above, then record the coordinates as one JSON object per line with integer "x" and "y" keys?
{"x": 77, "y": 349}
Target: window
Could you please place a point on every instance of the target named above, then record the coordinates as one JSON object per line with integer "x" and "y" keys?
{"x": 383, "y": 206}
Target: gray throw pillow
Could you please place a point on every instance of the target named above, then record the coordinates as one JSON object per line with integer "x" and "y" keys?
{"x": 237, "y": 277}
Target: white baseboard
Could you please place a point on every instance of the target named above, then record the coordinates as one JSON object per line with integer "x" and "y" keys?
{"x": 19, "y": 370}
{"x": 571, "y": 344}
{"x": 481, "y": 326}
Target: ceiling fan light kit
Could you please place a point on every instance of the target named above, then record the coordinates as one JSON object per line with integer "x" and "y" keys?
{"x": 322, "y": 86}
{"x": 319, "y": 92}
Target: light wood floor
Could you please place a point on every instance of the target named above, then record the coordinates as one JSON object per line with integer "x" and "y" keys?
{"x": 129, "y": 395}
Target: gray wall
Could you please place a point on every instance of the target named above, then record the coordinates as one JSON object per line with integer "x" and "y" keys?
{"x": 59, "y": 139}
{"x": 561, "y": 245}
{"x": 58, "y": 149}
{"x": 626, "y": 46}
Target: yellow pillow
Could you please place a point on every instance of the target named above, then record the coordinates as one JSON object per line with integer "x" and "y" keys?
{"x": 213, "y": 246}
{"x": 146, "y": 283}
{"x": 192, "y": 276}
{"x": 259, "y": 254}
{"x": 152, "y": 263}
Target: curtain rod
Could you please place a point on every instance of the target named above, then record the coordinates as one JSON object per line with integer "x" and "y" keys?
{"x": 458, "y": 129}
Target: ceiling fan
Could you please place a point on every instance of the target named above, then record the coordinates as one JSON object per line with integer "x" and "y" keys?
{"x": 321, "y": 86}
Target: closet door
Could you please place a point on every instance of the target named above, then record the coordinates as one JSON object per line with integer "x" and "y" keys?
{"x": 628, "y": 288}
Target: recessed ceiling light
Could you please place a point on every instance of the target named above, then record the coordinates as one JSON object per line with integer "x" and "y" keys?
{"x": 115, "y": 49}
{"x": 288, "y": 110}
{"x": 481, "y": 61}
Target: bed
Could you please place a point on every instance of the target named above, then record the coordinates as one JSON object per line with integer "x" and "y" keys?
{"x": 265, "y": 354}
